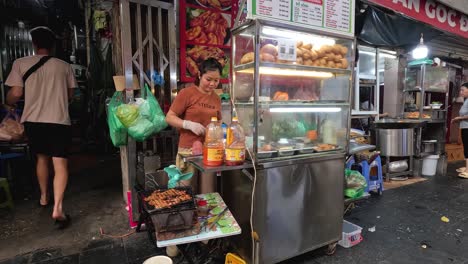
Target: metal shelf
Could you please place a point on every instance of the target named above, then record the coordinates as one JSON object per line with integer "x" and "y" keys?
{"x": 419, "y": 90}
{"x": 280, "y": 66}
{"x": 297, "y": 103}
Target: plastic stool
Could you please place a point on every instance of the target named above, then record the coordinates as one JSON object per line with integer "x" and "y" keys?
{"x": 374, "y": 182}
{"x": 9, "y": 200}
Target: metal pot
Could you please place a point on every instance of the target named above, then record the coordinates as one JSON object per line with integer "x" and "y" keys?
{"x": 395, "y": 142}
{"x": 398, "y": 166}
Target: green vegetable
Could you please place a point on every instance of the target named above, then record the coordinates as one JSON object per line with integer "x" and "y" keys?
{"x": 288, "y": 128}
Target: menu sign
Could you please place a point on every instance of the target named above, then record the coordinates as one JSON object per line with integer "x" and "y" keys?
{"x": 335, "y": 16}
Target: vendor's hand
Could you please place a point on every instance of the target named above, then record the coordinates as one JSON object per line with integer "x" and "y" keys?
{"x": 197, "y": 128}
{"x": 456, "y": 119}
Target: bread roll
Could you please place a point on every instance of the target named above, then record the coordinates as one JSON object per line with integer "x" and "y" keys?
{"x": 248, "y": 57}
{"x": 308, "y": 62}
{"x": 306, "y": 54}
{"x": 330, "y": 56}
{"x": 307, "y": 46}
{"x": 339, "y": 65}
{"x": 299, "y": 61}
{"x": 331, "y": 64}
{"x": 315, "y": 63}
{"x": 344, "y": 51}
{"x": 344, "y": 63}
{"x": 266, "y": 57}
{"x": 269, "y": 49}
{"x": 299, "y": 44}
{"x": 338, "y": 57}
{"x": 299, "y": 52}
{"x": 323, "y": 62}
{"x": 314, "y": 55}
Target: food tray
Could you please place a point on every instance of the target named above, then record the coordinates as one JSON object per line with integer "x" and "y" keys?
{"x": 266, "y": 154}
{"x": 306, "y": 150}
{"x": 284, "y": 153}
{"x": 316, "y": 149}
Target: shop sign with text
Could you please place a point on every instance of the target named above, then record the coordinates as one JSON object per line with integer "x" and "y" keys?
{"x": 431, "y": 12}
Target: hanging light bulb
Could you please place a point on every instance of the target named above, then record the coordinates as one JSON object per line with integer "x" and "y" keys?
{"x": 421, "y": 50}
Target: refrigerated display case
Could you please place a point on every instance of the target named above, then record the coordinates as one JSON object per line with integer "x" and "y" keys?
{"x": 291, "y": 91}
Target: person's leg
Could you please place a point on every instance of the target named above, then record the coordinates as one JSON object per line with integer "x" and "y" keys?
{"x": 60, "y": 183}
{"x": 42, "y": 171}
{"x": 464, "y": 134}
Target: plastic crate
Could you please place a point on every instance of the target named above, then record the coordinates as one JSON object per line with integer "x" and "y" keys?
{"x": 351, "y": 235}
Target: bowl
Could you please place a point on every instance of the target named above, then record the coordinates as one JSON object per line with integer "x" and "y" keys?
{"x": 436, "y": 106}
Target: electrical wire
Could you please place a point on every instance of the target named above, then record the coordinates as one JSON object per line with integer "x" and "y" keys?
{"x": 116, "y": 236}
{"x": 252, "y": 208}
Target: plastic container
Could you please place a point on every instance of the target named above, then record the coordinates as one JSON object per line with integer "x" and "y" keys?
{"x": 235, "y": 144}
{"x": 351, "y": 235}
{"x": 213, "y": 149}
{"x": 429, "y": 165}
{"x": 158, "y": 260}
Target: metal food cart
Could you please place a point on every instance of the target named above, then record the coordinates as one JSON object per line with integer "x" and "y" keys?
{"x": 296, "y": 117}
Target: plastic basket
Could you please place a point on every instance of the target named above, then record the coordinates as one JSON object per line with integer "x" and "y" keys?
{"x": 351, "y": 235}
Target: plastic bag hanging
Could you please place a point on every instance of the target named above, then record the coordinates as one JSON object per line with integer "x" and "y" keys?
{"x": 117, "y": 131}
{"x": 158, "y": 118}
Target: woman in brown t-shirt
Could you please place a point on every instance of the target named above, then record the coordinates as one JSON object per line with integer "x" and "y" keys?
{"x": 191, "y": 112}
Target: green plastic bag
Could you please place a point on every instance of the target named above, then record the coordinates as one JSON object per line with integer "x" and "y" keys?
{"x": 117, "y": 131}
{"x": 157, "y": 116}
{"x": 127, "y": 114}
{"x": 150, "y": 119}
{"x": 355, "y": 183}
{"x": 141, "y": 129}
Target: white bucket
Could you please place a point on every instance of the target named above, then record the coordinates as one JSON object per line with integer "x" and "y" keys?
{"x": 158, "y": 260}
{"x": 429, "y": 165}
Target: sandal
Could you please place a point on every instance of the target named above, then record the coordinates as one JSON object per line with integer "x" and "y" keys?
{"x": 63, "y": 223}
{"x": 463, "y": 175}
{"x": 462, "y": 169}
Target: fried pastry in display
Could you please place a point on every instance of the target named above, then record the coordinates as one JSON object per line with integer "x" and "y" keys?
{"x": 160, "y": 199}
{"x": 325, "y": 147}
{"x": 248, "y": 57}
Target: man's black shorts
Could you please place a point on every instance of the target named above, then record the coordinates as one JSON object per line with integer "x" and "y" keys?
{"x": 49, "y": 139}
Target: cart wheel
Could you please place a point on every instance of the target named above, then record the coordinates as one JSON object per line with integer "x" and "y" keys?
{"x": 380, "y": 189}
{"x": 331, "y": 248}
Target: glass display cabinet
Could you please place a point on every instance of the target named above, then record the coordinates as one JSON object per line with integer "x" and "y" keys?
{"x": 291, "y": 90}
{"x": 291, "y": 93}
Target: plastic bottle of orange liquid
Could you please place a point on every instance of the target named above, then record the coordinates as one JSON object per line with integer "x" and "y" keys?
{"x": 213, "y": 148}
{"x": 235, "y": 144}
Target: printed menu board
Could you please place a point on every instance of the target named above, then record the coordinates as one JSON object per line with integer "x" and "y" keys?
{"x": 335, "y": 16}
{"x": 205, "y": 33}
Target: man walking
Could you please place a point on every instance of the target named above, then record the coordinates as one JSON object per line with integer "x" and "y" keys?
{"x": 47, "y": 85}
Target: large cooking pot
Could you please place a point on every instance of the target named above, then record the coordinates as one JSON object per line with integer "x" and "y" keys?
{"x": 395, "y": 142}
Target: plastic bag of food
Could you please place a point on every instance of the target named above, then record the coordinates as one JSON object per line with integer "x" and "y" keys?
{"x": 127, "y": 114}
{"x": 355, "y": 183}
{"x": 11, "y": 128}
{"x": 157, "y": 118}
{"x": 141, "y": 129}
{"x": 117, "y": 131}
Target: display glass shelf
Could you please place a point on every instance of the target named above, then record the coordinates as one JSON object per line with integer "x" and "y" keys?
{"x": 293, "y": 101}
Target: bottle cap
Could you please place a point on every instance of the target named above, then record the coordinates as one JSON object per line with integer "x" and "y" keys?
{"x": 214, "y": 119}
